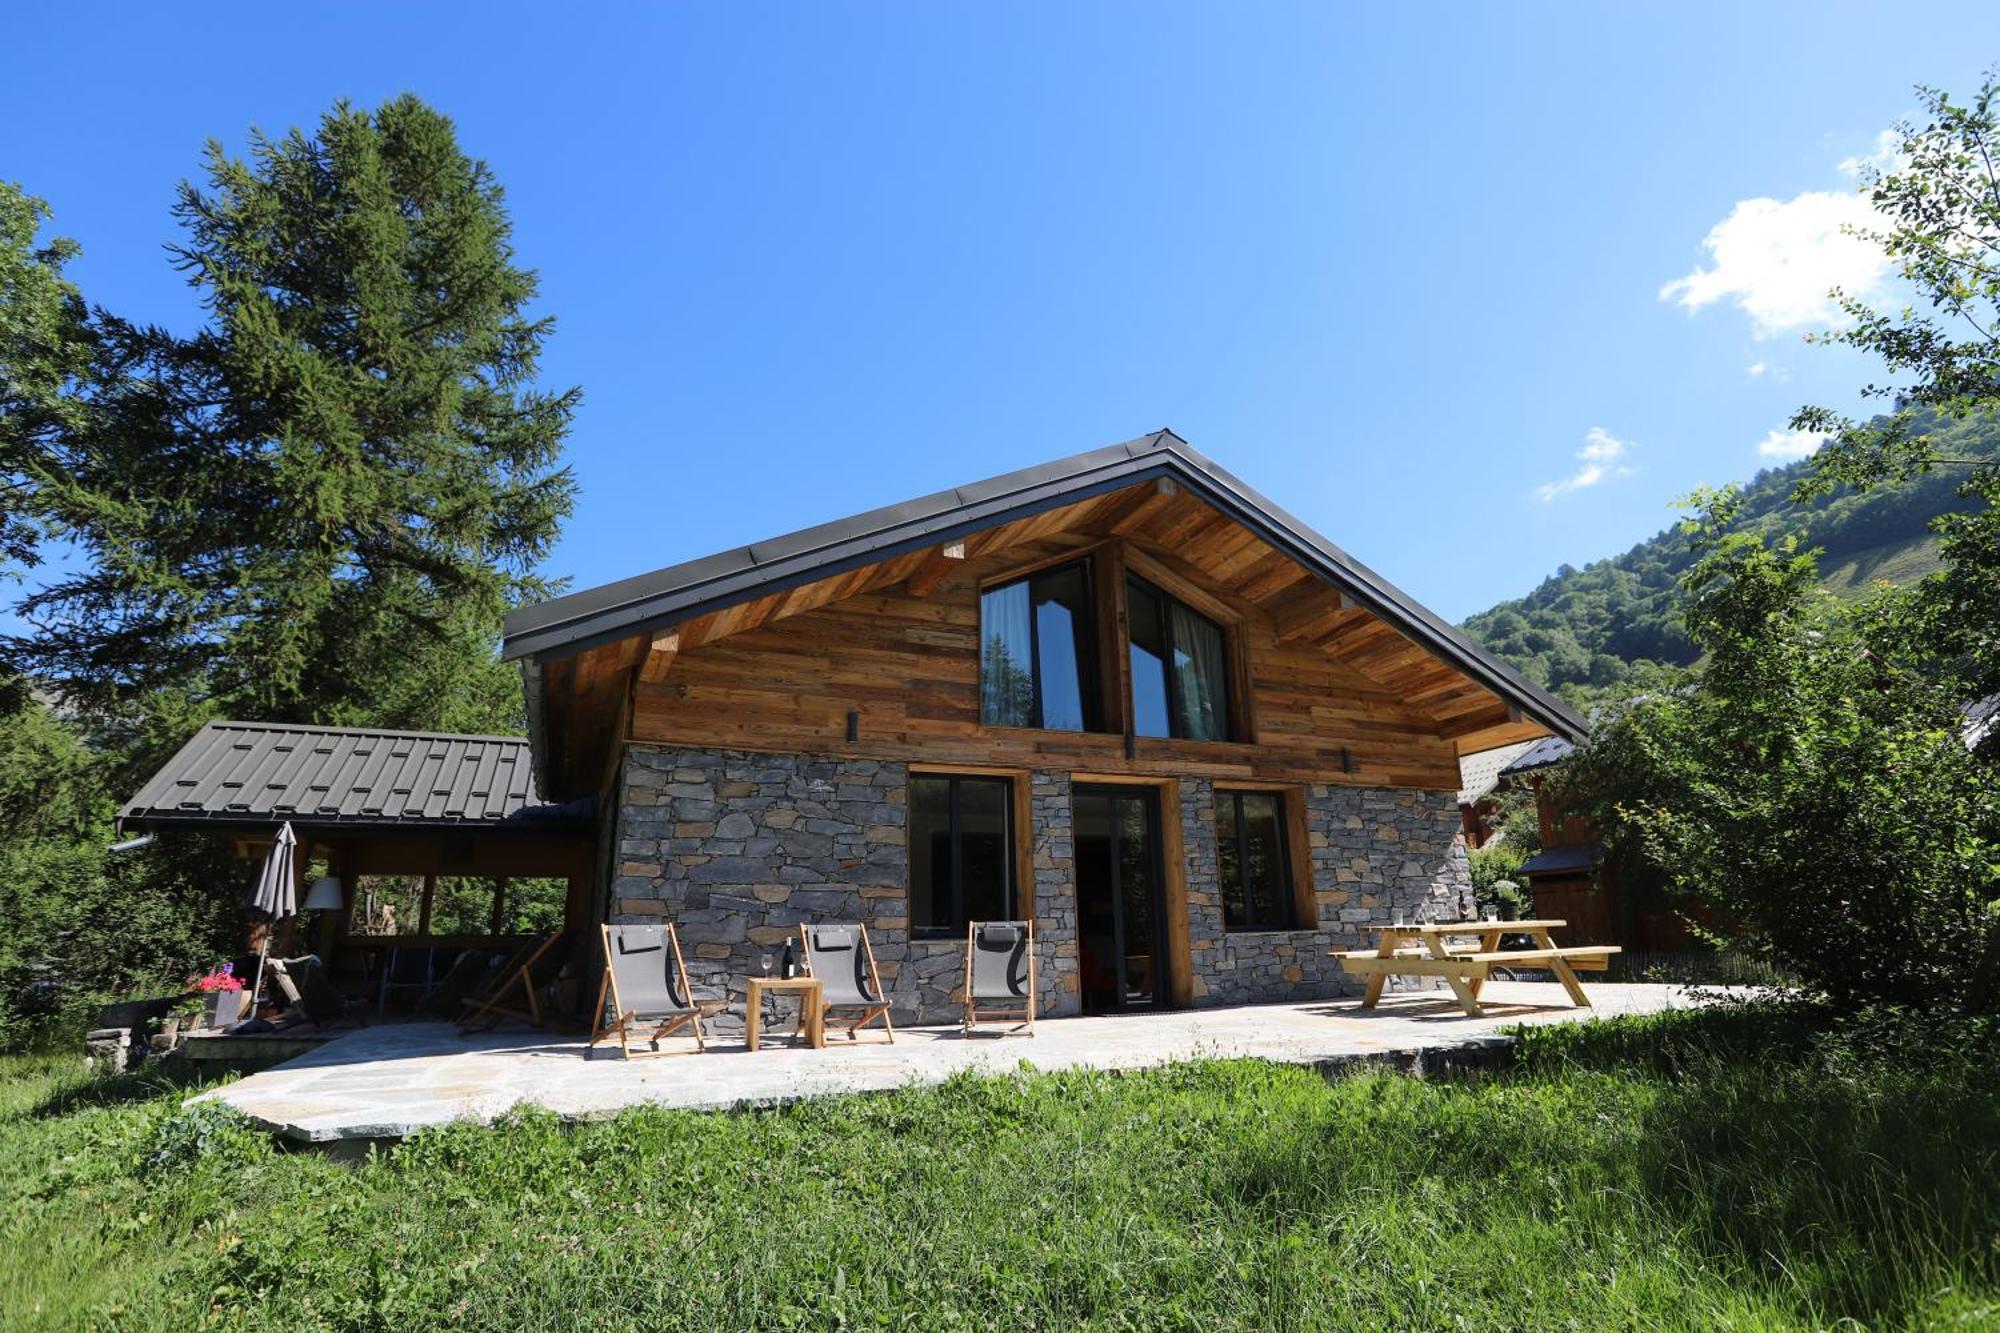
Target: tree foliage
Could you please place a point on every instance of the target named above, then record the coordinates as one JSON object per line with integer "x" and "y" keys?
{"x": 1811, "y": 789}
{"x": 318, "y": 507}
{"x": 1940, "y": 204}
{"x": 45, "y": 355}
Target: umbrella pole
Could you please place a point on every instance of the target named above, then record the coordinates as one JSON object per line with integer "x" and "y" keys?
{"x": 263, "y": 951}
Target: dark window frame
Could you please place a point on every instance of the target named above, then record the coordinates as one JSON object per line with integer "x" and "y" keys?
{"x": 1090, "y": 672}
{"x": 1163, "y": 603}
{"x": 1287, "y": 898}
{"x": 955, "y": 856}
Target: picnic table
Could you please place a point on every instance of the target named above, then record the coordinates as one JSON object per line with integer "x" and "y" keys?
{"x": 1425, "y": 949}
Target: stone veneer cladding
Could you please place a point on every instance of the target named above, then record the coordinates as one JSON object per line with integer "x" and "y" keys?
{"x": 1373, "y": 851}
{"x": 739, "y": 849}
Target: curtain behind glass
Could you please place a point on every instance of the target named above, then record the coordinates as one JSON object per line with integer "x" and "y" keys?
{"x": 1006, "y": 679}
{"x": 1202, "y": 680}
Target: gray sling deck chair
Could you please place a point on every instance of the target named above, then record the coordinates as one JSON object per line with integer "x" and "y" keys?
{"x": 1000, "y": 974}
{"x": 647, "y": 985}
{"x": 844, "y": 964}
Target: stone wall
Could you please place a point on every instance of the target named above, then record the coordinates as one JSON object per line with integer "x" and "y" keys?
{"x": 739, "y": 849}
{"x": 1372, "y": 850}
{"x": 1058, "y": 962}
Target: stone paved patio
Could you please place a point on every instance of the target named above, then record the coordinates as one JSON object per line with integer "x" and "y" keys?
{"x": 390, "y": 1081}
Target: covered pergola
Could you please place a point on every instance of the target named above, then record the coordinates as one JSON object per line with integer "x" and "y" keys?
{"x": 438, "y": 841}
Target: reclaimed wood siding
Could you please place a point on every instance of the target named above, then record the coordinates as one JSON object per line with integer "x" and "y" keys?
{"x": 909, "y": 666}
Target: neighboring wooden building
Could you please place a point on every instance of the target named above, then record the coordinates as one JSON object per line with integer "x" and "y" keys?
{"x": 1480, "y": 787}
{"x": 1574, "y": 878}
{"x": 1121, "y": 693}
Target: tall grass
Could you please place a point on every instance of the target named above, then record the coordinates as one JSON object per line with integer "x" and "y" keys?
{"x": 1743, "y": 1170}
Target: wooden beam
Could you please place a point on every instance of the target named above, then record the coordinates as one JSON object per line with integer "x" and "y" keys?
{"x": 933, "y": 571}
{"x": 658, "y": 661}
{"x": 1307, "y": 617}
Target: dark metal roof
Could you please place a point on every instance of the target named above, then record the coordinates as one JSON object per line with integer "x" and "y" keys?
{"x": 268, "y": 772}
{"x": 1548, "y": 750}
{"x": 1570, "y": 860}
{"x": 567, "y": 625}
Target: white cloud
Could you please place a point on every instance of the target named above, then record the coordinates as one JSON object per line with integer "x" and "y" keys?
{"x": 1789, "y": 445}
{"x": 1885, "y": 157}
{"x": 1777, "y": 261}
{"x": 1760, "y": 369}
{"x": 1599, "y": 456}
{"x": 1755, "y": 368}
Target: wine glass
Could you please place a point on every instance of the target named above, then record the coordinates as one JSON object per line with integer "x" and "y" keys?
{"x": 764, "y": 964}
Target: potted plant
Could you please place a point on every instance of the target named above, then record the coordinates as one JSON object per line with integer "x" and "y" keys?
{"x": 224, "y": 989}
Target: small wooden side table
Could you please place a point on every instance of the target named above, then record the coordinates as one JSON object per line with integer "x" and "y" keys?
{"x": 812, "y": 1015}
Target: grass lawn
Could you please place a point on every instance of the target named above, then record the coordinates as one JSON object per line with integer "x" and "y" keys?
{"x": 1746, "y": 1169}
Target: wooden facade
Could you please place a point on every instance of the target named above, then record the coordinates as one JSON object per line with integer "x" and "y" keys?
{"x": 883, "y": 661}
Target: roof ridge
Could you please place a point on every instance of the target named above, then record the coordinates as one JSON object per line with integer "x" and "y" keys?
{"x": 332, "y": 730}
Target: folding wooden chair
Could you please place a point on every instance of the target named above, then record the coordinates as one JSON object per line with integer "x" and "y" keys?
{"x": 537, "y": 971}
{"x": 1000, "y": 974}
{"x": 647, "y": 984}
{"x": 840, "y": 958}
{"x": 303, "y": 983}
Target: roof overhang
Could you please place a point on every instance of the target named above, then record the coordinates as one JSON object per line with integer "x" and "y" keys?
{"x": 566, "y": 626}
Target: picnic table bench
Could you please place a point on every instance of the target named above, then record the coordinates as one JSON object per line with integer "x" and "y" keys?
{"x": 1465, "y": 968}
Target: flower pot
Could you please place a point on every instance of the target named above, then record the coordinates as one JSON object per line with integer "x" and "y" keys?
{"x": 225, "y": 1007}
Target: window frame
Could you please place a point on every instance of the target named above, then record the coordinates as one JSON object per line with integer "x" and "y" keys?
{"x": 1290, "y": 906}
{"x": 955, "y": 857}
{"x": 1090, "y": 671}
{"x": 1163, "y": 603}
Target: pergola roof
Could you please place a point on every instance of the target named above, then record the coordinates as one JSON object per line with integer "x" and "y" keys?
{"x": 264, "y": 773}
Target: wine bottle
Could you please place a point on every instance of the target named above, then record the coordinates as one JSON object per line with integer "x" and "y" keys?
{"x": 788, "y": 969}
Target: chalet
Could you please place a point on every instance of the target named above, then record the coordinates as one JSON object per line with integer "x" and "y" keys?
{"x": 1121, "y": 694}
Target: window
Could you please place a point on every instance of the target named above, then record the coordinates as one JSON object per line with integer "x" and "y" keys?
{"x": 1255, "y": 866}
{"x": 1037, "y": 661}
{"x": 961, "y": 852}
{"x": 1180, "y": 676}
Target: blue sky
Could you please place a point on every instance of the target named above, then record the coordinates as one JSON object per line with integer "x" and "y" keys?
{"x": 1475, "y": 290}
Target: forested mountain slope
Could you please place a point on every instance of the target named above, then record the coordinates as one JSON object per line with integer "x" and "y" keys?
{"x": 1589, "y": 626}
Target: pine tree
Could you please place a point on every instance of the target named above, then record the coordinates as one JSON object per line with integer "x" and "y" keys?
{"x": 45, "y": 360}
{"x": 319, "y": 506}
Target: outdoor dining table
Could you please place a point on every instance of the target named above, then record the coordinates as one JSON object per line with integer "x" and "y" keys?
{"x": 812, "y": 1012}
{"x": 1465, "y": 969}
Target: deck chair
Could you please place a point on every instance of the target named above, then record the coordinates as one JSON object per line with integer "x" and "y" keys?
{"x": 473, "y": 979}
{"x": 1000, "y": 974}
{"x": 520, "y": 989}
{"x": 647, "y": 985}
{"x": 844, "y": 964}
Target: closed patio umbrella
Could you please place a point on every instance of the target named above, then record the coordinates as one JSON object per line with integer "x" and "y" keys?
{"x": 275, "y": 896}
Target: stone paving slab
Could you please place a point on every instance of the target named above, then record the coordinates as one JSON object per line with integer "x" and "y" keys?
{"x": 390, "y": 1081}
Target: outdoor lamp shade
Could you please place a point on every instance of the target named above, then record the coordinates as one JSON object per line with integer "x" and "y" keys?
{"x": 323, "y": 896}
